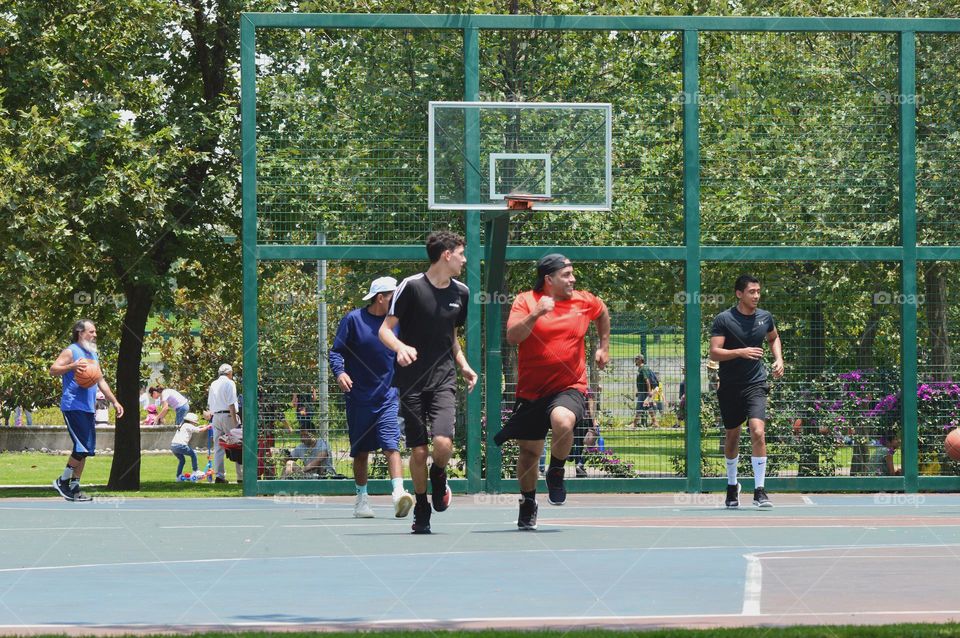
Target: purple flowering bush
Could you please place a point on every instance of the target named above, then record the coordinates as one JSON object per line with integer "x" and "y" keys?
{"x": 609, "y": 463}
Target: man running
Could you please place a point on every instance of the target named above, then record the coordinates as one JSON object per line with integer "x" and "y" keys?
{"x": 548, "y": 324}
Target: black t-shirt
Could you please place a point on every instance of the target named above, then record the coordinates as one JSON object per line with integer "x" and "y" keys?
{"x": 742, "y": 331}
{"x": 428, "y": 317}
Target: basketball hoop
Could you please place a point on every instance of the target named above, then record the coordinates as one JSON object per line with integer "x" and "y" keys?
{"x": 524, "y": 201}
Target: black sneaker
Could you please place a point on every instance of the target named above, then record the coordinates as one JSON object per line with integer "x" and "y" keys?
{"x": 421, "y": 519}
{"x": 581, "y": 471}
{"x": 63, "y": 489}
{"x": 441, "y": 494}
{"x": 733, "y": 496}
{"x": 528, "y": 514}
{"x": 760, "y": 498}
{"x": 556, "y": 492}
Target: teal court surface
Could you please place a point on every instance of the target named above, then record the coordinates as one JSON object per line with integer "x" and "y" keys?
{"x": 616, "y": 561}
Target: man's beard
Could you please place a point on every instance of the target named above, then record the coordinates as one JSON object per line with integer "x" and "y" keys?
{"x": 89, "y": 346}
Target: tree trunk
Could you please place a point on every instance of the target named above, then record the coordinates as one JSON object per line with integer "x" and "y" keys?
{"x": 868, "y": 337}
{"x": 125, "y": 471}
{"x": 939, "y": 357}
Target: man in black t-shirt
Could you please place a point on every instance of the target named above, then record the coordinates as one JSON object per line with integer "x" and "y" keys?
{"x": 736, "y": 341}
{"x": 427, "y": 308}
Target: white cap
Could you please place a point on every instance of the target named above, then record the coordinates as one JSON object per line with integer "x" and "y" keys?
{"x": 226, "y": 368}
{"x": 190, "y": 418}
{"x": 381, "y": 284}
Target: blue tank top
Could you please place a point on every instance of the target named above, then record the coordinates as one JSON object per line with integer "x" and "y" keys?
{"x": 74, "y": 397}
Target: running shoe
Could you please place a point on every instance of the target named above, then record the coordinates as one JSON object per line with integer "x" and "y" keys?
{"x": 733, "y": 496}
{"x": 556, "y": 492}
{"x": 402, "y": 503}
{"x": 441, "y": 494}
{"x": 361, "y": 507}
{"x": 63, "y": 488}
{"x": 421, "y": 519}
{"x": 527, "y": 520}
{"x": 760, "y": 498}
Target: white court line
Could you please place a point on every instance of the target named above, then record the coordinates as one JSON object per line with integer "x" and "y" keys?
{"x": 858, "y": 556}
{"x": 211, "y": 526}
{"x": 752, "y": 586}
{"x": 721, "y": 524}
{"x": 807, "y": 500}
{"x": 52, "y": 529}
{"x": 497, "y": 552}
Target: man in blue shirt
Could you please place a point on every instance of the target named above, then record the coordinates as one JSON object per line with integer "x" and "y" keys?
{"x": 364, "y": 368}
{"x": 78, "y": 406}
{"x": 736, "y": 341}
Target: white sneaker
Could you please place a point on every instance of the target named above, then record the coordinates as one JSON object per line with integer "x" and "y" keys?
{"x": 402, "y": 503}
{"x": 361, "y": 509}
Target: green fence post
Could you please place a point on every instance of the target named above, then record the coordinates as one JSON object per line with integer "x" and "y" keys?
{"x": 248, "y": 134}
{"x": 471, "y": 92}
{"x": 691, "y": 215}
{"x": 906, "y": 62}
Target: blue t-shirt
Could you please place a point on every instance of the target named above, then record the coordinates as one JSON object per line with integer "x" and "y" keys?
{"x": 74, "y": 397}
{"x": 742, "y": 331}
{"x": 358, "y": 351}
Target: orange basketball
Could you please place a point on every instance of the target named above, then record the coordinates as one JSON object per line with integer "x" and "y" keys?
{"x": 90, "y": 374}
{"x": 952, "y": 444}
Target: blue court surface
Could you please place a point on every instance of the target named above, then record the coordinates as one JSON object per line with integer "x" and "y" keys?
{"x": 617, "y": 561}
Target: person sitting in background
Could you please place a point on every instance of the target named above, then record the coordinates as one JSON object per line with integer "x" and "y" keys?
{"x": 314, "y": 455}
{"x": 881, "y": 456}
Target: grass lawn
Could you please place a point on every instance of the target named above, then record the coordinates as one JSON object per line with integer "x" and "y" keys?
{"x": 156, "y": 475}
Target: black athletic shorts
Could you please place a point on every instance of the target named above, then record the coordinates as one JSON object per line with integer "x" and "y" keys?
{"x": 428, "y": 413}
{"x": 741, "y": 402}
{"x": 530, "y": 420}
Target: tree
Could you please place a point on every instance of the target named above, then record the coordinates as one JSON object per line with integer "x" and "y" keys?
{"x": 122, "y": 130}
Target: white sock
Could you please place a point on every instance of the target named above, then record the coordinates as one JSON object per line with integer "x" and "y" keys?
{"x": 361, "y": 489}
{"x": 67, "y": 474}
{"x": 759, "y": 470}
{"x": 732, "y": 469}
{"x": 397, "y": 485}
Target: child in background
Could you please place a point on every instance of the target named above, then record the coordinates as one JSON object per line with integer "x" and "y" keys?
{"x": 881, "y": 456}
{"x": 151, "y": 416}
{"x": 101, "y": 414}
{"x": 180, "y": 446}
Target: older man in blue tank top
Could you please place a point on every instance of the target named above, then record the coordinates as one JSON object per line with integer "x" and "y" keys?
{"x": 78, "y": 406}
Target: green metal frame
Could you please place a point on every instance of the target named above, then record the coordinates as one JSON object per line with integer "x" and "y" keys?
{"x": 691, "y": 253}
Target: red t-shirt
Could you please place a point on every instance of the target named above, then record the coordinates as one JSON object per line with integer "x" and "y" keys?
{"x": 552, "y": 359}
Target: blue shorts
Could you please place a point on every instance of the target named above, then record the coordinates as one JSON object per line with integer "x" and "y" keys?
{"x": 82, "y": 431}
{"x": 373, "y": 427}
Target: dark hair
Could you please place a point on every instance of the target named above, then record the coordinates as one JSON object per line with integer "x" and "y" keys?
{"x": 743, "y": 280}
{"x": 153, "y": 389}
{"x": 78, "y": 327}
{"x": 440, "y": 241}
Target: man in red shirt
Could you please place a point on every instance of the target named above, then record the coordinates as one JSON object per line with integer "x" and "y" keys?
{"x": 548, "y": 325}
